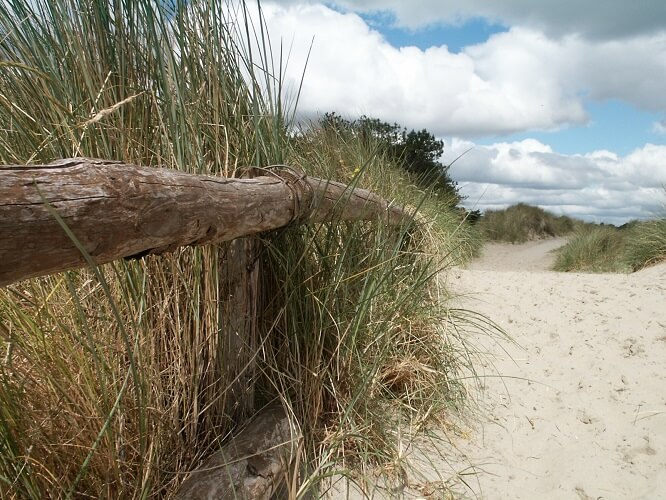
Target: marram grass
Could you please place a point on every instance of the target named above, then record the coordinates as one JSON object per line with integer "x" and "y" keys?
{"x": 593, "y": 249}
{"x": 520, "y": 223}
{"x": 647, "y": 244}
{"x": 604, "y": 248}
{"x": 112, "y": 380}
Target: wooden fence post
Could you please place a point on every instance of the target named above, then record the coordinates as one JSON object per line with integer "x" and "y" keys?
{"x": 240, "y": 310}
{"x": 239, "y": 317}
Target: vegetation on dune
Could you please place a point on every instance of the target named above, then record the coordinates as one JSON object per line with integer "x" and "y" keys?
{"x": 372, "y": 161}
{"x": 417, "y": 152}
{"x": 647, "y": 244}
{"x": 520, "y": 223}
{"x": 609, "y": 249}
{"x": 593, "y": 249}
{"x": 113, "y": 384}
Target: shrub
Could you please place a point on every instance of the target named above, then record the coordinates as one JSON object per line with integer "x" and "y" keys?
{"x": 520, "y": 223}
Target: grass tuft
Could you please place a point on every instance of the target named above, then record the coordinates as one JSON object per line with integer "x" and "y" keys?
{"x": 647, "y": 244}
{"x": 630, "y": 247}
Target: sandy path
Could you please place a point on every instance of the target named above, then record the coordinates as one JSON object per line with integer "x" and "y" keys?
{"x": 581, "y": 410}
{"x": 532, "y": 256}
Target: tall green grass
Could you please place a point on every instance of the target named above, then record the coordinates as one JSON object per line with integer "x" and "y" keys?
{"x": 113, "y": 383}
{"x": 520, "y": 223}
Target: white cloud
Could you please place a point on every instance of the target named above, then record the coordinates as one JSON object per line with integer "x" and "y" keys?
{"x": 576, "y": 68}
{"x": 598, "y": 186}
{"x": 595, "y": 19}
{"x": 517, "y": 80}
{"x": 632, "y": 70}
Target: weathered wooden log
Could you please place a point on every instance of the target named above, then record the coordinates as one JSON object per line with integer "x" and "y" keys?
{"x": 119, "y": 210}
{"x": 239, "y": 317}
{"x": 251, "y": 465}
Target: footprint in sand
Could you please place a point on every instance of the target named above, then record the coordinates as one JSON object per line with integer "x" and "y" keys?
{"x": 632, "y": 348}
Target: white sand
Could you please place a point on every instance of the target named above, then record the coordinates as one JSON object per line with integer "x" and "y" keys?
{"x": 580, "y": 412}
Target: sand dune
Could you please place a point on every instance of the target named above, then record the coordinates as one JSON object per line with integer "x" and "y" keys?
{"x": 580, "y": 412}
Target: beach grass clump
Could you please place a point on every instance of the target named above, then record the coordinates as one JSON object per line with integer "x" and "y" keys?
{"x": 114, "y": 380}
{"x": 339, "y": 153}
{"x": 596, "y": 249}
{"x": 630, "y": 247}
{"x": 647, "y": 244}
{"x": 520, "y": 223}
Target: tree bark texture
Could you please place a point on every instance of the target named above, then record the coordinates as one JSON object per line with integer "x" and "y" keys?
{"x": 118, "y": 210}
{"x": 251, "y": 465}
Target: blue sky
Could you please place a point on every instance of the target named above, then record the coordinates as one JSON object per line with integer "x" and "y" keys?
{"x": 560, "y": 110}
{"x": 614, "y": 125}
{"x": 454, "y": 36}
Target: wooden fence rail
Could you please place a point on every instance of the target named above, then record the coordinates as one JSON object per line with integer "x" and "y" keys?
{"x": 118, "y": 210}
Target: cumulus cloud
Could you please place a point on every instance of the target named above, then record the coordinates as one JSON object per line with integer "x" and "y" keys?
{"x": 594, "y": 19}
{"x": 517, "y": 80}
{"x": 353, "y": 70}
{"x": 573, "y": 66}
{"x": 597, "y": 186}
